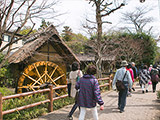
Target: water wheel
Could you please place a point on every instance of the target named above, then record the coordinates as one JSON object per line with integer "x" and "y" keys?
{"x": 39, "y": 73}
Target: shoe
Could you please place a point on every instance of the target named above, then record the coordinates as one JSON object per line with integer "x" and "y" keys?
{"x": 146, "y": 91}
{"x": 142, "y": 91}
{"x": 153, "y": 90}
{"x": 69, "y": 118}
{"x": 133, "y": 89}
{"x": 121, "y": 111}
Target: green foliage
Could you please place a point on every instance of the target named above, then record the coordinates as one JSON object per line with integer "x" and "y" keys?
{"x": 77, "y": 42}
{"x": 33, "y": 112}
{"x": 6, "y": 79}
{"x": 27, "y": 113}
{"x": 62, "y": 102}
{"x": 158, "y": 94}
{"x": 67, "y": 34}
{"x": 44, "y": 24}
{"x": 143, "y": 51}
{"x": 150, "y": 47}
{"x": 26, "y": 30}
{"x": 5, "y": 91}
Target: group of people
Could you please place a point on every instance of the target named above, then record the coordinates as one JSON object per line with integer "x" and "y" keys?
{"x": 147, "y": 76}
{"x": 128, "y": 73}
{"x": 88, "y": 89}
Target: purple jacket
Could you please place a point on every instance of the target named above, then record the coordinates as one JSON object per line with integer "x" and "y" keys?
{"x": 89, "y": 92}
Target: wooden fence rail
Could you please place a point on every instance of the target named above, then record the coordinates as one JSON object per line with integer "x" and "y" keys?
{"x": 50, "y": 99}
{"x": 109, "y": 83}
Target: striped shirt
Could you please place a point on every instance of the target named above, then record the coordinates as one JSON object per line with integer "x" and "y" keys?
{"x": 89, "y": 92}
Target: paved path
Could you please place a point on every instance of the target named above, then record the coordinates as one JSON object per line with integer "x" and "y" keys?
{"x": 139, "y": 107}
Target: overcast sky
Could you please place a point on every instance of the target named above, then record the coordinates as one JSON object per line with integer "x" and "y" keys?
{"x": 78, "y": 9}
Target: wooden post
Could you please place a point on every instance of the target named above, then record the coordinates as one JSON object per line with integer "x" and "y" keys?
{"x": 110, "y": 83}
{"x": 1, "y": 106}
{"x": 50, "y": 106}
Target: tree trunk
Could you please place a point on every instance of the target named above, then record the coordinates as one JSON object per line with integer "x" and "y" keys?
{"x": 99, "y": 37}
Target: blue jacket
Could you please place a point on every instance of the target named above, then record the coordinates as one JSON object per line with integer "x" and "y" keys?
{"x": 89, "y": 92}
{"x": 119, "y": 76}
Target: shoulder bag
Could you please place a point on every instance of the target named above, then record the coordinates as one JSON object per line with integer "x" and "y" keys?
{"x": 77, "y": 91}
{"x": 119, "y": 84}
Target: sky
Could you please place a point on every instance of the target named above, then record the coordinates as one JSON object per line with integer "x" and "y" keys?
{"x": 77, "y": 10}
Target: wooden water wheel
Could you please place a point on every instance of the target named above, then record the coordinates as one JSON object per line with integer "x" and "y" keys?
{"x": 39, "y": 73}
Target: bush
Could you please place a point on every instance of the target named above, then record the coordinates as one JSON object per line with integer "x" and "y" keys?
{"x": 158, "y": 94}
{"x": 33, "y": 112}
{"x": 6, "y": 76}
{"x": 5, "y": 91}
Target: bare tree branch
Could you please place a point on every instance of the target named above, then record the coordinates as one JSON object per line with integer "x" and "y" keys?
{"x": 137, "y": 18}
{"x": 109, "y": 12}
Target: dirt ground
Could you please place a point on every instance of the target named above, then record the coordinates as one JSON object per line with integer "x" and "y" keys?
{"x": 139, "y": 107}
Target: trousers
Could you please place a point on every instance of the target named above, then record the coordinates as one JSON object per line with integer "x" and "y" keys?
{"x": 154, "y": 84}
{"x": 69, "y": 89}
{"x": 122, "y": 97}
{"x": 73, "y": 109}
{"x": 145, "y": 86}
{"x": 83, "y": 113}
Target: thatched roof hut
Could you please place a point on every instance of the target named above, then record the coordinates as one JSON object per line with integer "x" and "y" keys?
{"x": 43, "y": 58}
{"x": 55, "y": 48}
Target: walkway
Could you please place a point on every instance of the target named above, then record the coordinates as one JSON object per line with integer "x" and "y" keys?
{"x": 139, "y": 107}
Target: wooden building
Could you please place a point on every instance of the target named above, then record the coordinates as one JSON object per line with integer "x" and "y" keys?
{"x": 107, "y": 62}
{"x": 43, "y": 58}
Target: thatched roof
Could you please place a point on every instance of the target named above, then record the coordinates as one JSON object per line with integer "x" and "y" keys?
{"x": 92, "y": 58}
{"x": 34, "y": 43}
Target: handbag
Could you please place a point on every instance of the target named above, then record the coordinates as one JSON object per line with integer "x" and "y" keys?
{"x": 77, "y": 92}
{"x": 76, "y": 96}
{"x": 119, "y": 84}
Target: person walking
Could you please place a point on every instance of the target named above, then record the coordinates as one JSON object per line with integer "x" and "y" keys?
{"x": 135, "y": 74}
{"x": 154, "y": 77}
{"x": 150, "y": 68}
{"x": 144, "y": 78}
{"x": 89, "y": 93}
{"x": 73, "y": 75}
{"x": 122, "y": 75}
{"x": 129, "y": 68}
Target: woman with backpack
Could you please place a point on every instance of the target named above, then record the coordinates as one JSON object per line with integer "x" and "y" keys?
{"x": 154, "y": 77}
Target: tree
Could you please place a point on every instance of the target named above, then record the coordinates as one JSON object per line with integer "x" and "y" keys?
{"x": 140, "y": 48}
{"x": 14, "y": 15}
{"x": 44, "y": 24}
{"x": 102, "y": 9}
{"x": 67, "y": 33}
{"x": 76, "y": 42}
{"x": 138, "y": 18}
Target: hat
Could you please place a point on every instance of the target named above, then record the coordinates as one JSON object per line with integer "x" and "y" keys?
{"x": 124, "y": 63}
{"x": 132, "y": 63}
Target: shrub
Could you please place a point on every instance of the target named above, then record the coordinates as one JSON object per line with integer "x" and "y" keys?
{"x": 5, "y": 91}
{"x": 158, "y": 94}
{"x": 33, "y": 112}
